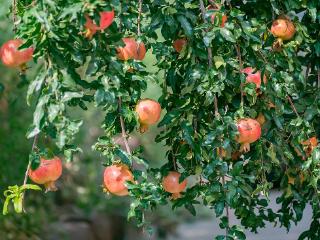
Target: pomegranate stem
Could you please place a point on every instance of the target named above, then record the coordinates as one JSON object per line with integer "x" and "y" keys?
{"x": 34, "y": 145}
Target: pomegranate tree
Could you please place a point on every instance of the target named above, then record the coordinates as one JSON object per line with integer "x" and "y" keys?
{"x": 149, "y": 112}
{"x": 11, "y": 56}
{"x": 48, "y": 172}
{"x": 115, "y": 177}
{"x": 198, "y": 91}
{"x": 132, "y": 50}
{"x": 171, "y": 184}
{"x": 249, "y": 131}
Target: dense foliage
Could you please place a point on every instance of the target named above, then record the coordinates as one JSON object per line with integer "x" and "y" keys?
{"x": 204, "y": 94}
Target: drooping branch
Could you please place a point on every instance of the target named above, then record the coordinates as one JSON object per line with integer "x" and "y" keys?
{"x": 123, "y": 128}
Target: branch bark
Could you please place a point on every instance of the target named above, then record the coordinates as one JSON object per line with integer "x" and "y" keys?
{"x": 227, "y": 207}
{"x": 240, "y": 68}
{"x": 139, "y": 17}
{"x": 292, "y": 106}
{"x": 14, "y": 15}
{"x": 123, "y": 128}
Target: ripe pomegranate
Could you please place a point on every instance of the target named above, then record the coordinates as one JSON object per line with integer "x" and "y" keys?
{"x": 132, "y": 50}
{"x": 11, "y": 56}
{"x": 249, "y": 132}
{"x": 47, "y": 173}
{"x": 171, "y": 184}
{"x": 106, "y": 19}
{"x": 213, "y": 16}
{"x": 179, "y": 44}
{"x": 115, "y": 177}
{"x": 148, "y": 112}
{"x": 283, "y": 29}
{"x": 254, "y": 77}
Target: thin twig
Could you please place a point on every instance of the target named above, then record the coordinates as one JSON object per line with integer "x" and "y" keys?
{"x": 34, "y": 146}
{"x": 14, "y": 15}
{"x": 139, "y": 17}
{"x": 227, "y": 207}
{"x": 210, "y": 63}
{"x": 240, "y": 68}
{"x": 318, "y": 77}
{"x": 307, "y": 72}
{"x": 123, "y": 128}
{"x": 292, "y": 106}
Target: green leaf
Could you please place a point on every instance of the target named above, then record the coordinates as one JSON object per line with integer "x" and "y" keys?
{"x": 30, "y": 187}
{"x": 185, "y": 25}
{"x": 219, "y": 61}
{"x": 227, "y": 34}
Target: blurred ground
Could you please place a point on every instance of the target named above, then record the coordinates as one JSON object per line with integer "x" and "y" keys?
{"x": 205, "y": 229}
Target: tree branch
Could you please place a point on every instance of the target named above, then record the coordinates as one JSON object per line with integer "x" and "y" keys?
{"x": 210, "y": 63}
{"x": 123, "y": 128}
{"x": 227, "y": 207}
{"x": 14, "y": 15}
{"x": 318, "y": 77}
{"x": 240, "y": 68}
{"x": 292, "y": 106}
{"x": 139, "y": 17}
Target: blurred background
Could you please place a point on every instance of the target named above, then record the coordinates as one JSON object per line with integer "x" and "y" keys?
{"x": 80, "y": 210}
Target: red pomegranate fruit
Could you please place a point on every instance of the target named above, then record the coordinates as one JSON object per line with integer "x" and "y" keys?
{"x": 47, "y": 173}
{"x": 172, "y": 185}
{"x": 106, "y": 19}
{"x": 11, "y": 56}
{"x": 149, "y": 112}
{"x": 179, "y": 44}
{"x": 249, "y": 132}
{"x": 132, "y": 50}
{"x": 115, "y": 177}
{"x": 254, "y": 77}
{"x": 283, "y": 29}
